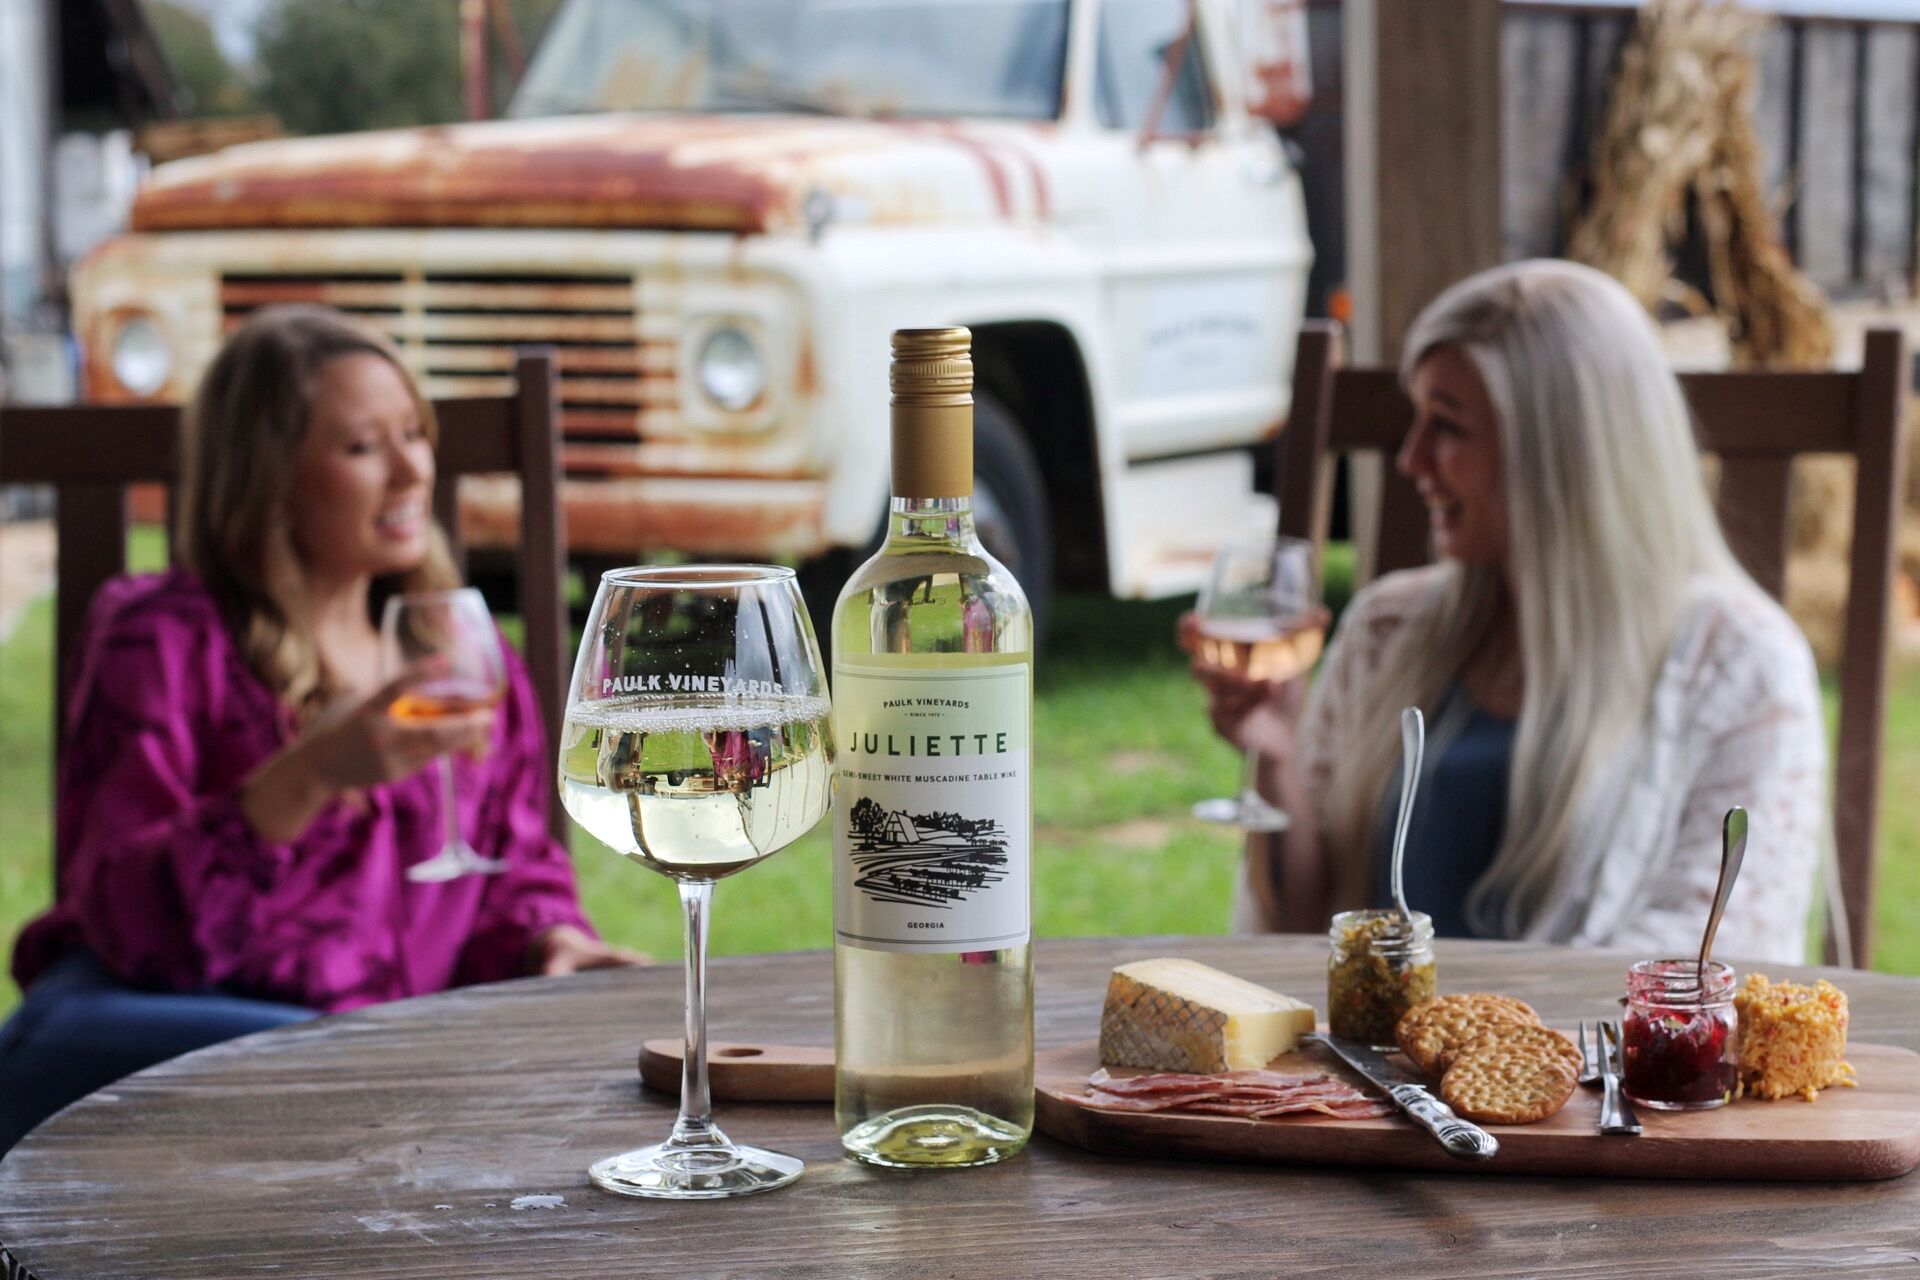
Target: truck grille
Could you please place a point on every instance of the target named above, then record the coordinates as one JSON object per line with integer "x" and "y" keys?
{"x": 460, "y": 334}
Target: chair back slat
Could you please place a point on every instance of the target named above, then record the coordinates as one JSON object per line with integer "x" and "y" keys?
{"x": 1372, "y": 410}
{"x": 478, "y": 436}
{"x": 90, "y": 532}
{"x": 89, "y": 444}
{"x": 1405, "y": 539}
{"x": 1771, "y": 411}
{"x": 1301, "y": 479}
{"x": 542, "y": 584}
{"x": 1752, "y": 505}
{"x": 1756, "y": 422}
{"x": 446, "y": 512}
{"x": 1879, "y": 421}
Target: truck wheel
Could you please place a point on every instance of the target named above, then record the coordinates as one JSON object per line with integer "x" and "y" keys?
{"x": 1010, "y": 505}
{"x": 1009, "y": 509}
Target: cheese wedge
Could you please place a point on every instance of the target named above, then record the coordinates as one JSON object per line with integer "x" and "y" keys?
{"x": 1181, "y": 1015}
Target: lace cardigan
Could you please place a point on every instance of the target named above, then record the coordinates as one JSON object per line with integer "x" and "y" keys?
{"x": 1735, "y": 718}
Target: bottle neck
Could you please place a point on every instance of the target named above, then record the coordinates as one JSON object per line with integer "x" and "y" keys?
{"x": 936, "y": 519}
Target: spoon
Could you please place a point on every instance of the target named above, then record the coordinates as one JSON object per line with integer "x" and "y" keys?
{"x": 1413, "y": 745}
{"x": 1733, "y": 851}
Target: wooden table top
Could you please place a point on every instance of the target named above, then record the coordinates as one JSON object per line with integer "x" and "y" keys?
{"x": 450, "y": 1137}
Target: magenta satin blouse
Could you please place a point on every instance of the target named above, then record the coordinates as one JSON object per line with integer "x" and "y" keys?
{"x": 164, "y": 880}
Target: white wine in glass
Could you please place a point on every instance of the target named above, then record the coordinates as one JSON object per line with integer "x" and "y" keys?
{"x": 1258, "y": 618}
{"x": 454, "y": 629}
{"x": 697, "y": 742}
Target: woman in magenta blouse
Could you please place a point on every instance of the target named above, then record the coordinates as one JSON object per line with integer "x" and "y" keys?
{"x": 237, "y": 810}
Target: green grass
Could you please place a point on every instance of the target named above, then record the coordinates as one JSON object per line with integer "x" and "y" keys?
{"x": 26, "y": 783}
{"x": 1122, "y": 750}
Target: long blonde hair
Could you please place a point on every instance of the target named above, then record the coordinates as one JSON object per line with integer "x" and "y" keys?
{"x": 1608, "y": 522}
{"x": 239, "y": 448}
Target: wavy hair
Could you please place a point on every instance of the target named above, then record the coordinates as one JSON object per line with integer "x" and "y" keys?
{"x": 239, "y": 452}
{"x": 1608, "y": 522}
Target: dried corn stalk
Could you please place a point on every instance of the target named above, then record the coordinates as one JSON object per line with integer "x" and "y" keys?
{"x": 1680, "y": 121}
{"x": 1657, "y": 136}
{"x": 1775, "y": 315}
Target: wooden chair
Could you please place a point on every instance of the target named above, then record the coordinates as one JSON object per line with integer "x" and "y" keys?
{"x": 91, "y": 454}
{"x": 1757, "y": 422}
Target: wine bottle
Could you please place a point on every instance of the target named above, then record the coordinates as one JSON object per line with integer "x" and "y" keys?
{"x": 933, "y": 712}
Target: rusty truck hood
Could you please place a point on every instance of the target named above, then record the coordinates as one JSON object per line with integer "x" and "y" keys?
{"x": 721, "y": 172}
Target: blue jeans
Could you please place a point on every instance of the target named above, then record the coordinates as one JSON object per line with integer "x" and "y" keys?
{"x": 79, "y": 1028}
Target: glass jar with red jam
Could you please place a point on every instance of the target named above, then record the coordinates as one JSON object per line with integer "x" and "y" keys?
{"x": 1678, "y": 1044}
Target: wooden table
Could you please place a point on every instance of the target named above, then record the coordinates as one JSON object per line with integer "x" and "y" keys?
{"x": 404, "y": 1141}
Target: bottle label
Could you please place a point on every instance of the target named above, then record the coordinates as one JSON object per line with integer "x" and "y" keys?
{"x": 933, "y": 820}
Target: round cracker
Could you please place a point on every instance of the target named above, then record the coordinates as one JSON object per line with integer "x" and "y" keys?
{"x": 1512, "y": 1073}
{"x": 1433, "y": 1032}
{"x": 1542, "y": 1039}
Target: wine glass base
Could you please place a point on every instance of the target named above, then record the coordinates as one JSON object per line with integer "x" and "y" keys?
{"x": 667, "y": 1172}
{"x": 452, "y": 862}
{"x": 1238, "y": 811}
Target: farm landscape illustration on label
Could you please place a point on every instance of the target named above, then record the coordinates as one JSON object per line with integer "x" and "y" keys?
{"x": 924, "y": 860}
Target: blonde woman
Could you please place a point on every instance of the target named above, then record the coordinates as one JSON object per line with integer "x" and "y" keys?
{"x": 1600, "y": 678}
{"x": 237, "y": 808}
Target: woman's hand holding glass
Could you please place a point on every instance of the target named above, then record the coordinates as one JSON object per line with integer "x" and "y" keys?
{"x": 352, "y": 746}
{"x": 366, "y": 744}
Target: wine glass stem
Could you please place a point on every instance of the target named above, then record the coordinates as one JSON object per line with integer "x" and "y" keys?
{"x": 695, "y": 1124}
{"x": 448, "y": 804}
{"x": 1250, "y": 775}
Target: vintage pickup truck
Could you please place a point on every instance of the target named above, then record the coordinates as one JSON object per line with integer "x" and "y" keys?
{"x": 717, "y": 209}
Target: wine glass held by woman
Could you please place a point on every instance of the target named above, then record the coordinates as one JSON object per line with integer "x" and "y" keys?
{"x": 237, "y": 804}
{"x": 453, "y": 634}
{"x": 1260, "y": 619}
{"x": 1600, "y": 678}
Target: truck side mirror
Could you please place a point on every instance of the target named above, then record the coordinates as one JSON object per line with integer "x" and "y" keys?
{"x": 1273, "y": 46}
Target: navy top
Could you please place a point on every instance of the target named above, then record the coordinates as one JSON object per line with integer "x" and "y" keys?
{"x": 1459, "y": 814}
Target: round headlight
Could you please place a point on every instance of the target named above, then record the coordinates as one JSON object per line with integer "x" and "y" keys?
{"x": 729, "y": 369}
{"x": 142, "y": 360}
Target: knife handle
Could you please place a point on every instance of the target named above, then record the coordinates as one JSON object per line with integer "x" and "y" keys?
{"x": 1460, "y": 1138}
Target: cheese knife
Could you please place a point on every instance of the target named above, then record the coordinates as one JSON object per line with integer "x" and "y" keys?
{"x": 1410, "y": 1093}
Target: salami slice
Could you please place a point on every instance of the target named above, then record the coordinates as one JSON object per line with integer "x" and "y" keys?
{"x": 1253, "y": 1094}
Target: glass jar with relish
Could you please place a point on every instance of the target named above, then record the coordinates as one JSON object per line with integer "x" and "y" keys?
{"x": 1378, "y": 968}
{"x": 1678, "y": 1045}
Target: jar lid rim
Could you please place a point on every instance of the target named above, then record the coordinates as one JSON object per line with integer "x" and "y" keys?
{"x": 1680, "y": 976}
{"x": 1421, "y": 932}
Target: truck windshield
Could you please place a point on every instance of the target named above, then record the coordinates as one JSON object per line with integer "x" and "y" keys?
{"x": 837, "y": 57}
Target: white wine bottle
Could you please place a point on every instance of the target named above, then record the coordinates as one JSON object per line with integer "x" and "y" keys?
{"x": 933, "y": 713}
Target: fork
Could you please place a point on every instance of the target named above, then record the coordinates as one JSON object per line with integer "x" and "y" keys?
{"x": 1589, "y": 1057}
{"x": 1616, "y": 1113}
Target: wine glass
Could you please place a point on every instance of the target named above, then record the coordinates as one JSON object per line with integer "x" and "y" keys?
{"x": 454, "y": 629}
{"x": 1259, "y": 617}
{"x": 697, "y": 743}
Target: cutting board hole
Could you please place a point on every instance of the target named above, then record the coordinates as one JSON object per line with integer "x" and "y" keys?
{"x": 741, "y": 1051}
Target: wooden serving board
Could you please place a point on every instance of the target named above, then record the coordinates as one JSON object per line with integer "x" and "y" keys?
{"x": 1859, "y": 1134}
{"x": 744, "y": 1072}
